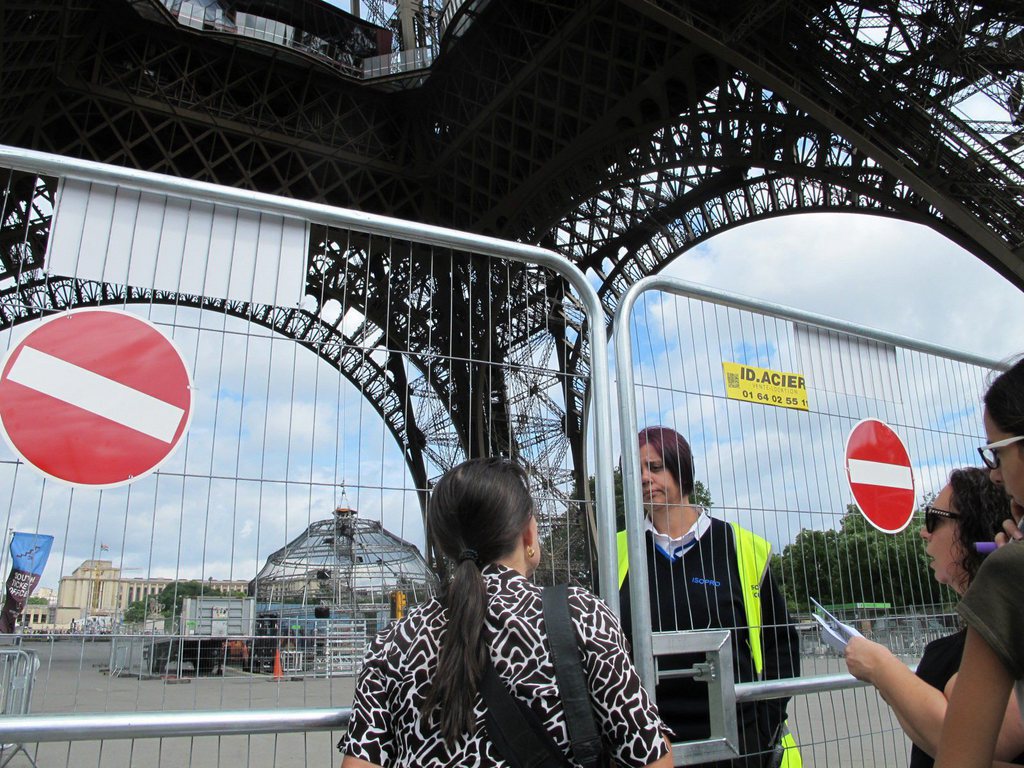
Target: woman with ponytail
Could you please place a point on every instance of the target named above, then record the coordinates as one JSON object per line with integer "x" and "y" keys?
{"x": 417, "y": 700}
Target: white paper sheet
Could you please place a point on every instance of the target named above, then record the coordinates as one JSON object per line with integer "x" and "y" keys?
{"x": 835, "y": 634}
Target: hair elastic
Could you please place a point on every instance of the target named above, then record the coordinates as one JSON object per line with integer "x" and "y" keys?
{"x": 470, "y": 554}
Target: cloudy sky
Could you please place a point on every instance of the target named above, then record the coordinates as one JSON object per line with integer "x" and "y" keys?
{"x": 778, "y": 470}
{"x": 276, "y": 433}
{"x": 879, "y": 272}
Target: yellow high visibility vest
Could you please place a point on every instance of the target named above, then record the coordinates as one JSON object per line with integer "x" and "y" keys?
{"x": 752, "y": 554}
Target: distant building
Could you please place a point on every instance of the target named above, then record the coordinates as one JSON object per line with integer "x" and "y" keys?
{"x": 96, "y": 589}
{"x": 39, "y": 616}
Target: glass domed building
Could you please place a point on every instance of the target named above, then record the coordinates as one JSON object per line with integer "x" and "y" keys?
{"x": 345, "y": 566}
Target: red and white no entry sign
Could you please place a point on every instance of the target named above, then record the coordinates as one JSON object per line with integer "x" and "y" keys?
{"x": 878, "y": 468}
{"x": 95, "y": 397}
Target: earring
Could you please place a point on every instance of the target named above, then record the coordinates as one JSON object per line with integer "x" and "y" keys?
{"x": 529, "y": 551}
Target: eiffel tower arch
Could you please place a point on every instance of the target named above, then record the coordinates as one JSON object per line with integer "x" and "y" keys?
{"x": 621, "y": 133}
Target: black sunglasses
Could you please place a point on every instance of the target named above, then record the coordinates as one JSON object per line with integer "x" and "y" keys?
{"x": 932, "y": 515}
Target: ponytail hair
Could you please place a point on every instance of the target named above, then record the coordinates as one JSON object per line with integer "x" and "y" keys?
{"x": 476, "y": 514}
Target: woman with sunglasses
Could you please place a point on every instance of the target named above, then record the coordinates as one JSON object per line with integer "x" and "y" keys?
{"x": 969, "y": 509}
{"x": 994, "y": 648}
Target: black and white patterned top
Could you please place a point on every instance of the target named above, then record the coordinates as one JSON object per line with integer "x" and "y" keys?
{"x": 386, "y": 727}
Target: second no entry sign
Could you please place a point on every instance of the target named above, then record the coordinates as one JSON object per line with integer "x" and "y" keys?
{"x": 880, "y": 475}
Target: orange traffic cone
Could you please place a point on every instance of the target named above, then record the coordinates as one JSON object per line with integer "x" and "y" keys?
{"x": 278, "y": 672}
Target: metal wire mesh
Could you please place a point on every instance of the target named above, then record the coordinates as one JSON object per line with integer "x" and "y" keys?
{"x": 777, "y": 468}
{"x": 352, "y": 382}
{"x": 336, "y": 375}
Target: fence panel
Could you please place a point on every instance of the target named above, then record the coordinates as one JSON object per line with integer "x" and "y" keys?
{"x": 771, "y": 458}
{"x": 340, "y": 363}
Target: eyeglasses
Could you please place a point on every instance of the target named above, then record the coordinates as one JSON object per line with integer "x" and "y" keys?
{"x": 990, "y": 453}
{"x": 932, "y": 515}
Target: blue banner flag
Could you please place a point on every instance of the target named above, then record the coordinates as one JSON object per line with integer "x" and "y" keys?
{"x": 29, "y": 552}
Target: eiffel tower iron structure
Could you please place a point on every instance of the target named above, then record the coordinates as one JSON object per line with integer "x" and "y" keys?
{"x": 621, "y": 133}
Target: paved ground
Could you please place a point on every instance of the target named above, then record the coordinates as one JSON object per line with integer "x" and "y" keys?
{"x": 847, "y": 729}
{"x": 72, "y": 678}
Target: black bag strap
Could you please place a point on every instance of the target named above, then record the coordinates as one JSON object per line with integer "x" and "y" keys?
{"x": 521, "y": 740}
{"x": 572, "y": 686}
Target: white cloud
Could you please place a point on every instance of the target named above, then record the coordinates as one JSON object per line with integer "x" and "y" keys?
{"x": 878, "y": 272}
{"x": 779, "y": 470}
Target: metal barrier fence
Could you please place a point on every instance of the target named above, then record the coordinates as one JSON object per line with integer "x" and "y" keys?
{"x": 320, "y": 421}
{"x": 332, "y": 647}
{"x": 685, "y": 357}
{"x": 17, "y": 673}
{"x": 321, "y": 416}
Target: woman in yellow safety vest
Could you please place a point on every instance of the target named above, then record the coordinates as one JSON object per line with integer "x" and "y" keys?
{"x": 705, "y": 573}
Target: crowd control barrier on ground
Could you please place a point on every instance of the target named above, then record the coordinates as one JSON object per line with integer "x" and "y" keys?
{"x": 340, "y": 362}
{"x": 17, "y": 673}
{"x": 766, "y": 396}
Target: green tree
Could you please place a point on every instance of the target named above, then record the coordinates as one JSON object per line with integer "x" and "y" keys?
{"x": 808, "y": 567}
{"x": 857, "y": 564}
{"x": 701, "y": 495}
{"x": 172, "y": 596}
{"x": 135, "y": 613}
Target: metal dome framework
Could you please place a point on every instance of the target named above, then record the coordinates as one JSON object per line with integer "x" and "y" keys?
{"x": 348, "y": 563}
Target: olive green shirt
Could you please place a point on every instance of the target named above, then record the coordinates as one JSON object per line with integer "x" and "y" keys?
{"x": 994, "y": 605}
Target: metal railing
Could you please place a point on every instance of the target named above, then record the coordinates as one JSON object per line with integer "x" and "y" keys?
{"x": 629, "y": 425}
{"x": 17, "y": 672}
{"x": 393, "y": 63}
{"x": 397, "y": 63}
{"x": 139, "y": 725}
{"x": 124, "y": 725}
{"x": 195, "y": 191}
{"x": 32, "y": 729}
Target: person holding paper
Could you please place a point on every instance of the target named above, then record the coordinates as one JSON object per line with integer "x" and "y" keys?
{"x": 705, "y": 573}
{"x": 969, "y": 509}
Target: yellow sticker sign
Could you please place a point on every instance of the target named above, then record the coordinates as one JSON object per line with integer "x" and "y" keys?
{"x": 765, "y": 386}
